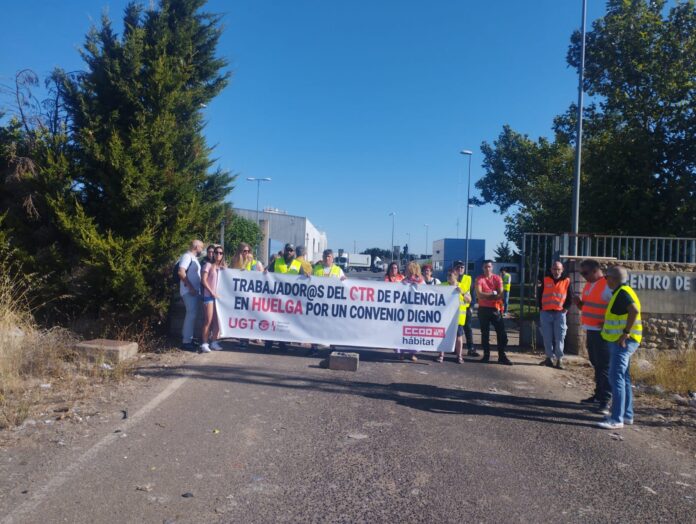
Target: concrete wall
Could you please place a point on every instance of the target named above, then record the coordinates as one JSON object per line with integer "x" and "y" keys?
{"x": 667, "y": 293}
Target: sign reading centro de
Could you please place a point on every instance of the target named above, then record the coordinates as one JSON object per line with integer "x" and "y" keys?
{"x": 325, "y": 310}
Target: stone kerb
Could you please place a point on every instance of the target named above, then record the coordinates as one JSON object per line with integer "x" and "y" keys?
{"x": 104, "y": 350}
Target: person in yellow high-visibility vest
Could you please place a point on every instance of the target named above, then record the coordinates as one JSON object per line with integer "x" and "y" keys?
{"x": 286, "y": 264}
{"x": 623, "y": 331}
{"x": 507, "y": 284}
{"x": 327, "y": 268}
{"x": 465, "y": 282}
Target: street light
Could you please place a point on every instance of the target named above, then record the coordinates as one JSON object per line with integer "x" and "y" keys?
{"x": 468, "y": 205}
{"x": 426, "y": 239}
{"x": 258, "y": 190}
{"x": 393, "y": 215}
{"x": 575, "y": 219}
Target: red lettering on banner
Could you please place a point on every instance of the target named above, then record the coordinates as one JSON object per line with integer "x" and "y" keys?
{"x": 364, "y": 294}
{"x": 424, "y": 331}
{"x": 276, "y": 305}
{"x": 242, "y": 323}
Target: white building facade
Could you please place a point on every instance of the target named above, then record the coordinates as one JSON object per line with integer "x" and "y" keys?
{"x": 284, "y": 228}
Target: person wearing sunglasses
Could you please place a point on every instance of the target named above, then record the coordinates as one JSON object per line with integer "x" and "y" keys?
{"x": 286, "y": 263}
{"x": 592, "y": 304}
{"x": 244, "y": 259}
{"x": 209, "y": 281}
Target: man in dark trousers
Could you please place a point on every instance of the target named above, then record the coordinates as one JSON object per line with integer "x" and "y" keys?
{"x": 596, "y": 294}
{"x": 489, "y": 293}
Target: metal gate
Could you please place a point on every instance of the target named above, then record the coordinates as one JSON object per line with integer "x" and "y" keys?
{"x": 539, "y": 250}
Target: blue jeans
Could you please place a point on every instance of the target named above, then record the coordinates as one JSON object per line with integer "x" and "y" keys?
{"x": 553, "y": 329}
{"x": 192, "y": 304}
{"x": 620, "y": 380}
{"x": 506, "y": 300}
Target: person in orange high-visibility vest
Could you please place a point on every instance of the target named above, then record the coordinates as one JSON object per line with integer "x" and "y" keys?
{"x": 592, "y": 303}
{"x": 555, "y": 297}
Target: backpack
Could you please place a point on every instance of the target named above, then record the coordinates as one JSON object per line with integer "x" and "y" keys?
{"x": 175, "y": 271}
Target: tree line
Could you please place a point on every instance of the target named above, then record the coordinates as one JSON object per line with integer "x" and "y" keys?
{"x": 106, "y": 180}
{"x": 639, "y": 139}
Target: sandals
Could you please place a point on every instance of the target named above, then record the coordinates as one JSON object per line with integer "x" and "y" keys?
{"x": 414, "y": 358}
{"x": 440, "y": 358}
{"x": 460, "y": 360}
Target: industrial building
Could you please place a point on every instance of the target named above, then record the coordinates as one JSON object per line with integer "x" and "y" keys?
{"x": 280, "y": 228}
{"x": 447, "y": 250}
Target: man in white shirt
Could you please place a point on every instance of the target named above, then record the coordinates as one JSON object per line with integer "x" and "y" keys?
{"x": 190, "y": 290}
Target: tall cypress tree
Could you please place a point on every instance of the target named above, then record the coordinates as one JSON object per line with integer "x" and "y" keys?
{"x": 144, "y": 184}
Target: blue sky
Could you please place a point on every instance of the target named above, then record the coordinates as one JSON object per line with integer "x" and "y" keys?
{"x": 355, "y": 109}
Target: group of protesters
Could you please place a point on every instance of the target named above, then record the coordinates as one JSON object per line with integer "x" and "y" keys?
{"x": 610, "y": 312}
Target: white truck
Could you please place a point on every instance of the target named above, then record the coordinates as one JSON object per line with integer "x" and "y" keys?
{"x": 359, "y": 262}
{"x": 355, "y": 261}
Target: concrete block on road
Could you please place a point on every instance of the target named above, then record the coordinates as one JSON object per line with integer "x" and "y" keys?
{"x": 101, "y": 349}
{"x": 342, "y": 361}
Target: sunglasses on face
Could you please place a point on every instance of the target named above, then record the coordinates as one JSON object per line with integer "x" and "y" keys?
{"x": 245, "y": 250}
{"x": 218, "y": 252}
{"x": 290, "y": 250}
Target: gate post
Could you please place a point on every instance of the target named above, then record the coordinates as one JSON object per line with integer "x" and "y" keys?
{"x": 575, "y": 337}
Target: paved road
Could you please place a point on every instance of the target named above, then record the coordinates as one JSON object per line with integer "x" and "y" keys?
{"x": 257, "y": 437}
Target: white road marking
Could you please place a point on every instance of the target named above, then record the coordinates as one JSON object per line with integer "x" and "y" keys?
{"x": 59, "y": 479}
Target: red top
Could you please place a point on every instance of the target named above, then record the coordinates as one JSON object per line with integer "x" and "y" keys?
{"x": 488, "y": 285}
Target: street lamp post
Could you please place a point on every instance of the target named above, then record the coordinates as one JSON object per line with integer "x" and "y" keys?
{"x": 575, "y": 222}
{"x": 426, "y": 239}
{"x": 393, "y": 215}
{"x": 258, "y": 190}
{"x": 468, "y": 205}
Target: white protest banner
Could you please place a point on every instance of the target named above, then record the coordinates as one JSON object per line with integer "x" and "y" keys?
{"x": 326, "y": 310}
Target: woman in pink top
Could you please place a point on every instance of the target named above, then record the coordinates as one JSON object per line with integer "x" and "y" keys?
{"x": 209, "y": 280}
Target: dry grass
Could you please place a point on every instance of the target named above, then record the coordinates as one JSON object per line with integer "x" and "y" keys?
{"x": 38, "y": 366}
{"x": 673, "y": 370}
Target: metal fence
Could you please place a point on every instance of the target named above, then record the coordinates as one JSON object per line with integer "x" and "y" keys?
{"x": 539, "y": 250}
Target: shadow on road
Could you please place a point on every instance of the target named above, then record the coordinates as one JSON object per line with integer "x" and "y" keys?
{"x": 424, "y": 397}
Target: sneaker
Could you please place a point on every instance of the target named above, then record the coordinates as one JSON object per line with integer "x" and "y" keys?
{"x": 472, "y": 353}
{"x": 486, "y": 357}
{"x": 610, "y": 424}
{"x": 589, "y": 400}
{"x": 215, "y": 346}
{"x": 559, "y": 364}
{"x": 547, "y": 362}
{"x": 504, "y": 361}
{"x": 628, "y": 422}
{"x": 205, "y": 348}
{"x": 603, "y": 408}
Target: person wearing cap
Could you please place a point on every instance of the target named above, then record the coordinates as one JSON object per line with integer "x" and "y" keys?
{"x": 327, "y": 268}
{"x": 465, "y": 306}
{"x": 301, "y": 253}
{"x": 287, "y": 263}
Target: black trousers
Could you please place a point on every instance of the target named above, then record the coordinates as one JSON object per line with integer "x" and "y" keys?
{"x": 468, "y": 334}
{"x": 488, "y": 316}
{"x": 598, "y": 351}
